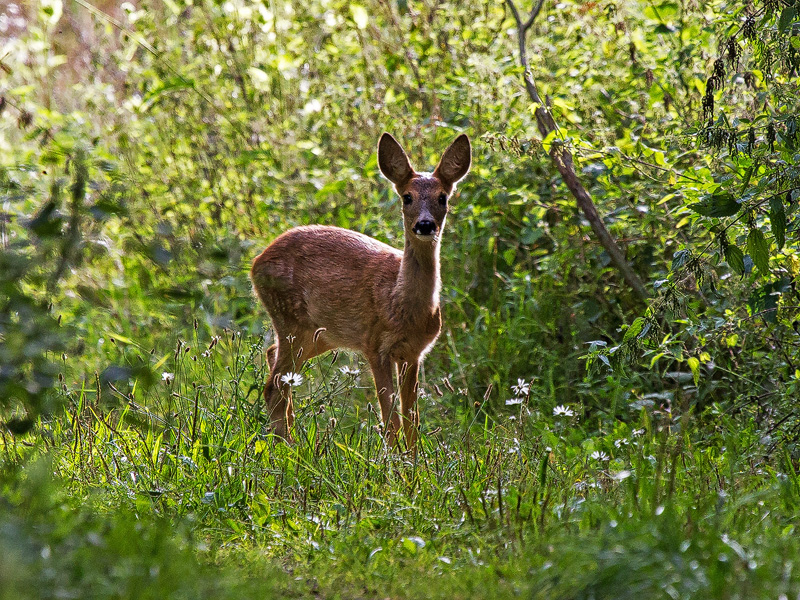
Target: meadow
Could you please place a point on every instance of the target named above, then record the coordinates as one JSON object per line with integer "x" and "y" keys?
{"x": 579, "y": 439}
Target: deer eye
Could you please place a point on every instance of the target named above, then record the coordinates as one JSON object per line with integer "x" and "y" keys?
{"x": 407, "y": 199}
{"x": 442, "y": 198}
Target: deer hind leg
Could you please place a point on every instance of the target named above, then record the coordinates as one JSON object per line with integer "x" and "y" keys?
{"x": 390, "y": 413}
{"x": 272, "y": 352}
{"x": 287, "y": 356}
{"x": 407, "y": 377}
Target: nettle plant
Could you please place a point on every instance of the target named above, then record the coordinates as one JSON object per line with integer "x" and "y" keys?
{"x": 754, "y": 79}
{"x": 744, "y": 196}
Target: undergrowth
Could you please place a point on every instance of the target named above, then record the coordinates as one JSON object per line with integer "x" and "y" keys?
{"x": 538, "y": 500}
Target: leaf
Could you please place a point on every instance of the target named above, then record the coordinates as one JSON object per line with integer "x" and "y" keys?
{"x": 786, "y": 18}
{"x": 635, "y": 329}
{"x": 758, "y": 248}
{"x": 694, "y": 365}
{"x": 735, "y": 258}
{"x": 717, "y": 205}
{"x": 764, "y": 300}
{"x": 680, "y": 258}
{"x": 777, "y": 219}
{"x": 172, "y": 84}
{"x": 360, "y": 15}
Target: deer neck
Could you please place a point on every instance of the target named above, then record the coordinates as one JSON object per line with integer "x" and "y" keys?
{"x": 419, "y": 281}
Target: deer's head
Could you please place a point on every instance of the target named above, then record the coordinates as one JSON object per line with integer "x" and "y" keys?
{"x": 425, "y": 195}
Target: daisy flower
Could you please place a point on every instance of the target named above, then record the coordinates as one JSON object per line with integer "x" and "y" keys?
{"x": 523, "y": 388}
{"x": 563, "y": 411}
{"x": 292, "y": 379}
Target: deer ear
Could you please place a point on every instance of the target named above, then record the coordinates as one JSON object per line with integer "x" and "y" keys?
{"x": 393, "y": 161}
{"x": 455, "y": 162}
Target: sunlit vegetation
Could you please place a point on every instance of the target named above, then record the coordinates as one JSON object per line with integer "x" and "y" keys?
{"x": 580, "y": 437}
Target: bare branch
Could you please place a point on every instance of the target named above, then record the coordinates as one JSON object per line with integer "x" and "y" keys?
{"x": 523, "y": 27}
{"x": 562, "y": 159}
{"x": 534, "y": 13}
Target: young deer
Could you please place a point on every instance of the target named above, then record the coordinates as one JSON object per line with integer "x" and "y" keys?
{"x": 326, "y": 288}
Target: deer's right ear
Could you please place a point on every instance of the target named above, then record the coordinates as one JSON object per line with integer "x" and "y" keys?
{"x": 393, "y": 161}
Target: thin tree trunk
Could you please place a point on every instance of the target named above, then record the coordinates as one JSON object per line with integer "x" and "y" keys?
{"x": 562, "y": 158}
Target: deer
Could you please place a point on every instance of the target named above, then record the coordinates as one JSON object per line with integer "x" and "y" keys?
{"x": 326, "y": 288}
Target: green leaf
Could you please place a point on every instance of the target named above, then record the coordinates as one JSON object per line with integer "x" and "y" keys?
{"x": 735, "y": 258}
{"x": 777, "y": 218}
{"x": 635, "y": 329}
{"x": 694, "y": 365}
{"x": 680, "y": 258}
{"x": 717, "y": 205}
{"x": 787, "y": 16}
{"x": 758, "y": 248}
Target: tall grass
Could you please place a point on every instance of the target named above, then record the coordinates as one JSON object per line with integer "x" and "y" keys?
{"x": 535, "y": 501}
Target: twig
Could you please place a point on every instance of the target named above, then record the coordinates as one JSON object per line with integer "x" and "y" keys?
{"x": 562, "y": 158}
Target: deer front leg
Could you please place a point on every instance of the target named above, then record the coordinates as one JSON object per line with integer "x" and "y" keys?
{"x": 407, "y": 376}
{"x": 390, "y": 413}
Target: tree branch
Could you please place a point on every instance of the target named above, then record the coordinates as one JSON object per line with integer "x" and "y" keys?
{"x": 562, "y": 159}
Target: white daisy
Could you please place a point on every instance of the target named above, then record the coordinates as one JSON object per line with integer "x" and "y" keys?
{"x": 563, "y": 411}
{"x": 168, "y": 378}
{"x": 514, "y": 401}
{"x": 599, "y": 455}
{"x": 349, "y": 371}
{"x": 292, "y": 379}
{"x": 621, "y": 442}
{"x": 523, "y": 388}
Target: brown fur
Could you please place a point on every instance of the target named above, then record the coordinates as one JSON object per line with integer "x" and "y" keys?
{"x": 326, "y": 288}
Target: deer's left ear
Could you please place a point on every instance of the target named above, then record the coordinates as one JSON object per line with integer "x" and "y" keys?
{"x": 455, "y": 162}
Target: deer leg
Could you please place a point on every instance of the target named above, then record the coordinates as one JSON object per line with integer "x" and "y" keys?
{"x": 390, "y": 414}
{"x": 283, "y": 357}
{"x": 407, "y": 377}
{"x": 286, "y": 357}
{"x": 272, "y": 352}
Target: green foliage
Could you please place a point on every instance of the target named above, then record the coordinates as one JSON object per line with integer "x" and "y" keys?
{"x": 147, "y": 157}
{"x": 754, "y": 135}
{"x": 50, "y": 548}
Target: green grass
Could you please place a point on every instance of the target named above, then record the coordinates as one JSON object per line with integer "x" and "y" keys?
{"x": 519, "y": 503}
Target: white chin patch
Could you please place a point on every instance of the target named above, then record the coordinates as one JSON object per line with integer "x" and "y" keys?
{"x": 425, "y": 238}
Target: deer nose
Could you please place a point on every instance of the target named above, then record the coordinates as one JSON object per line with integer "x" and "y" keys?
{"x": 425, "y": 227}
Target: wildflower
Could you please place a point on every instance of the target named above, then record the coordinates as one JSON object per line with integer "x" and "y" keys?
{"x": 599, "y": 455}
{"x": 514, "y": 401}
{"x": 621, "y": 442}
{"x": 637, "y": 432}
{"x": 621, "y": 475}
{"x": 292, "y": 379}
{"x": 349, "y": 371}
{"x": 523, "y": 388}
{"x": 563, "y": 411}
{"x": 168, "y": 378}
